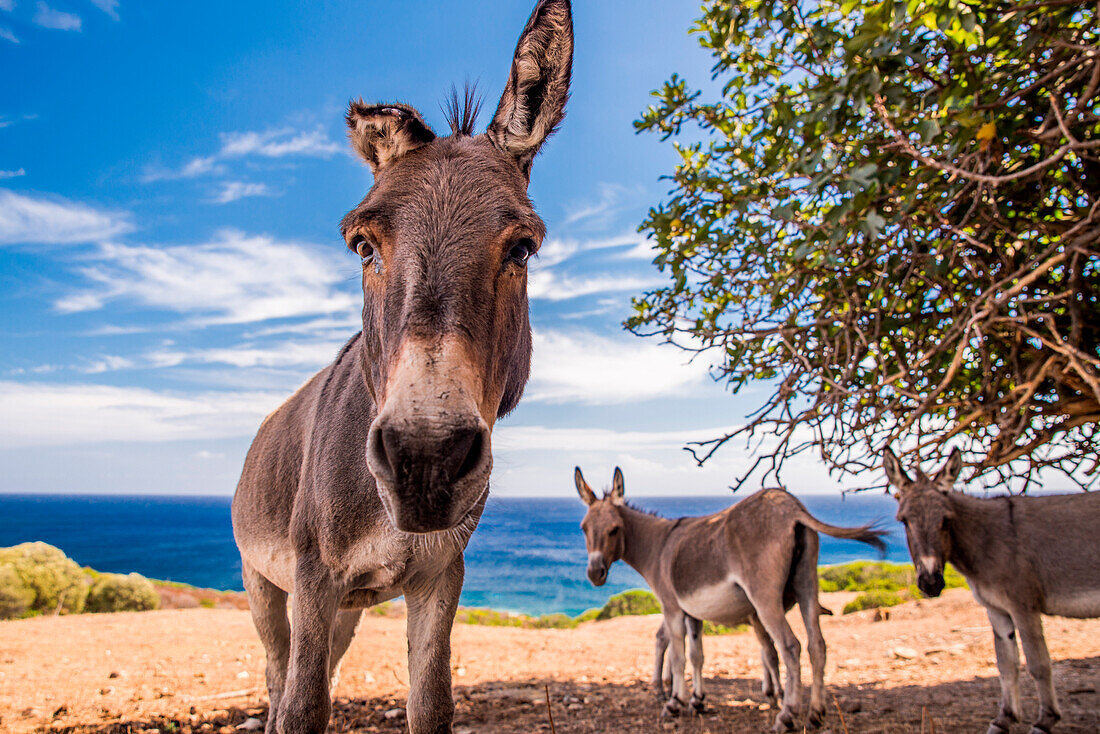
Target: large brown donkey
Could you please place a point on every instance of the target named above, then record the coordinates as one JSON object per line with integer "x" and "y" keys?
{"x": 367, "y": 483}
{"x": 748, "y": 563}
{"x": 1022, "y": 557}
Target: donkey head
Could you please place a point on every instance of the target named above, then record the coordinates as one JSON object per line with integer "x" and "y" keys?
{"x": 602, "y": 525}
{"x": 445, "y": 234}
{"x": 924, "y": 509}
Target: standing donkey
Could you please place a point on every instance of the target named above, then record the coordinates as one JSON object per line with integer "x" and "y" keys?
{"x": 1021, "y": 556}
{"x": 749, "y": 562}
{"x": 367, "y": 483}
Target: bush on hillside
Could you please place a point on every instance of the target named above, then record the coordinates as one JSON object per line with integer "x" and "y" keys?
{"x": 874, "y": 600}
{"x": 112, "y": 592}
{"x": 15, "y": 596}
{"x": 880, "y": 576}
{"x": 635, "y": 601}
{"x": 57, "y": 582}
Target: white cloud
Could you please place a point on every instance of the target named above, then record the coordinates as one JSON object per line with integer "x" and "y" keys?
{"x": 7, "y": 35}
{"x": 13, "y": 174}
{"x": 599, "y": 213}
{"x": 292, "y": 354}
{"x": 549, "y": 285}
{"x": 110, "y": 7}
{"x": 235, "y": 279}
{"x": 26, "y": 219}
{"x": 233, "y": 190}
{"x": 278, "y": 143}
{"x": 194, "y": 168}
{"x": 582, "y": 367}
{"x": 35, "y": 414}
{"x": 8, "y": 5}
{"x": 556, "y": 250}
{"x": 56, "y": 20}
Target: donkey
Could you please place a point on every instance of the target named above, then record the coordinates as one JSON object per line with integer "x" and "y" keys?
{"x": 367, "y": 483}
{"x": 1021, "y": 556}
{"x": 749, "y": 562}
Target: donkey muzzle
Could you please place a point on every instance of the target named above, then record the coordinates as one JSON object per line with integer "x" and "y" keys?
{"x": 930, "y": 584}
{"x": 429, "y": 449}
{"x": 597, "y": 569}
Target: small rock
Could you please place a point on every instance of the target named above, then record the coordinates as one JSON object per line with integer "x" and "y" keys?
{"x": 368, "y": 677}
{"x": 575, "y": 707}
{"x": 251, "y": 724}
{"x": 225, "y": 730}
{"x": 460, "y": 671}
{"x": 395, "y": 714}
{"x": 106, "y": 691}
{"x": 905, "y": 653}
{"x": 114, "y": 674}
{"x": 243, "y": 674}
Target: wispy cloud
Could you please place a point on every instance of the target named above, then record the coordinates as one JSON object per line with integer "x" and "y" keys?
{"x": 276, "y": 143}
{"x": 550, "y": 285}
{"x": 110, "y": 7}
{"x": 235, "y": 279}
{"x": 12, "y": 174}
{"x": 7, "y": 35}
{"x": 29, "y": 219}
{"x": 230, "y": 191}
{"x": 582, "y": 367}
{"x": 600, "y": 212}
{"x": 303, "y": 357}
{"x": 57, "y": 20}
{"x": 556, "y": 250}
{"x": 8, "y": 5}
{"x": 37, "y": 414}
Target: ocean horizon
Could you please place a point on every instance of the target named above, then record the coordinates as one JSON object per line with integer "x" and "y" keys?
{"x": 526, "y": 556}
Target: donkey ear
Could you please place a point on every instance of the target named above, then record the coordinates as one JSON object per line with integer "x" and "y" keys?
{"x": 381, "y": 134}
{"x": 894, "y": 473}
{"x": 618, "y": 487}
{"x": 534, "y": 99}
{"x": 945, "y": 477}
{"x": 586, "y": 493}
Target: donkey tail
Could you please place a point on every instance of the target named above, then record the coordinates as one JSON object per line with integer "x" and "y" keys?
{"x": 869, "y": 534}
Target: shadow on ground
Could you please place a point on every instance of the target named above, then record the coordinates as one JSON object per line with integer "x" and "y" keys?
{"x": 520, "y": 707}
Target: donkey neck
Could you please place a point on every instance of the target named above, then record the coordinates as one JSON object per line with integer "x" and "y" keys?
{"x": 980, "y": 529}
{"x": 644, "y": 536}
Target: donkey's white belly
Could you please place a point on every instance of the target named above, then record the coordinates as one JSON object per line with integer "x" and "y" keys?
{"x": 1080, "y": 603}
{"x": 725, "y": 603}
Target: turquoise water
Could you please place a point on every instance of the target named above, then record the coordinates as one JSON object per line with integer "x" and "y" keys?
{"x": 527, "y": 554}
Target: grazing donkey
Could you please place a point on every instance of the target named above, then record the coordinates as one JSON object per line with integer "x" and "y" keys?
{"x": 749, "y": 562}
{"x": 367, "y": 483}
{"x": 1021, "y": 556}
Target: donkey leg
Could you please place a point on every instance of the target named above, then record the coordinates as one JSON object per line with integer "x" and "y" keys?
{"x": 1030, "y": 625}
{"x": 343, "y": 632}
{"x": 770, "y": 611}
{"x": 1008, "y": 665}
{"x": 432, "y": 604}
{"x": 661, "y": 645}
{"x": 306, "y": 705}
{"x": 695, "y": 655}
{"x": 268, "y": 605}
{"x": 806, "y": 588}
{"x": 674, "y": 622}
{"x": 769, "y": 660}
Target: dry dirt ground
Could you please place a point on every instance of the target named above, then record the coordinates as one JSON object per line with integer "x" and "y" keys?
{"x": 201, "y": 670}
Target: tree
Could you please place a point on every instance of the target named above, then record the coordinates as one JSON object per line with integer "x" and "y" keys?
{"x": 889, "y": 211}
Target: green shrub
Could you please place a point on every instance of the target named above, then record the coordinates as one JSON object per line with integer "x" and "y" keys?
{"x": 588, "y": 615}
{"x": 493, "y": 618}
{"x": 16, "y": 597}
{"x": 713, "y": 628}
{"x": 879, "y": 576}
{"x": 635, "y": 601}
{"x": 874, "y": 600}
{"x": 112, "y": 592}
{"x": 58, "y": 583}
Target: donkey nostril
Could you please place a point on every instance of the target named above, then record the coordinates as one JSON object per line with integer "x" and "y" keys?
{"x": 473, "y": 456}
{"x": 465, "y": 451}
{"x": 380, "y": 444}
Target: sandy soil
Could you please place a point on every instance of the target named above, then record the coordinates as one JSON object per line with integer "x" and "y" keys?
{"x": 201, "y": 670}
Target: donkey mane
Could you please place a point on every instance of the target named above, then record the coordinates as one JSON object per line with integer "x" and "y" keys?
{"x": 462, "y": 112}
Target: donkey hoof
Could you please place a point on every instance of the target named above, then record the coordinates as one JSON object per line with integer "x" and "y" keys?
{"x": 671, "y": 709}
{"x": 995, "y": 728}
{"x": 784, "y": 722}
{"x": 1036, "y": 729}
{"x": 816, "y": 718}
{"x": 697, "y": 704}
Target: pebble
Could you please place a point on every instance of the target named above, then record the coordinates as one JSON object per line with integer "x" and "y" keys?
{"x": 243, "y": 674}
{"x": 251, "y": 724}
{"x": 904, "y": 653}
{"x": 394, "y": 714}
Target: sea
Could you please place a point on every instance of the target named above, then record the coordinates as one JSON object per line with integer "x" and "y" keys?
{"x": 527, "y": 555}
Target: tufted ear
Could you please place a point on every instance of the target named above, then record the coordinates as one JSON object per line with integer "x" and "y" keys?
{"x": 381, "y": 134}
{"x": 945, "y": 477}
{"x": 618, "y": 487}
{"x": 534, "y": 99}
{"x": 894, "y": 473}
{"x": 586, "y": 493}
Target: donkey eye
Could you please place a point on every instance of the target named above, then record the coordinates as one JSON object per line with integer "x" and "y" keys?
{"x": 614, "y": 532}
{"x": 522, "y": 250}
{"x": 363, "y": 248}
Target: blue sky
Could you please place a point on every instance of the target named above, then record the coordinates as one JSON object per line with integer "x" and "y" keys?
{"x": 171, "y": 179}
